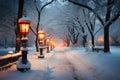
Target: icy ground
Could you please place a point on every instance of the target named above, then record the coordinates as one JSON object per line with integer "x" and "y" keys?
{"x": 69, "y": 64}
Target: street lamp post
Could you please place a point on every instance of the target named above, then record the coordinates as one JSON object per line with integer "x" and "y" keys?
{"x": 24, "y": 24}
{"x": 47, "y": 44}
{"x": 54, "y": 45}
{"x": 41, "y": 36}
{"x": 51, "y": 45}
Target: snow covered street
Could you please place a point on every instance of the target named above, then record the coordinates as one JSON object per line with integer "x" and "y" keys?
{"x": 69, "y": 64}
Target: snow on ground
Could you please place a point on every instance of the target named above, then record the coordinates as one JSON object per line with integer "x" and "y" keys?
{"x": 69, "y": 64}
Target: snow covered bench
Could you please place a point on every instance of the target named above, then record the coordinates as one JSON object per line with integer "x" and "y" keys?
{"x": 97, "y": 49}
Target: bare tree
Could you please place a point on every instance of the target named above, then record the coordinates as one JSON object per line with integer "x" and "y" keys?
{"x": 74, "y": 28}
{"x": 39, "y": 11}
{"x": 90, "y": 24}
{"x": 107, "y": 21}
{"x": 72, "y": 34}
{"x": 81, "y": 29}
{"x": 66, "y": 40}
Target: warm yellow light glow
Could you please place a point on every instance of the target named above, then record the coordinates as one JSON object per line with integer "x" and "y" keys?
{"x": 90, "y": 41}
{"x": 24, "y": 24}
{"x": 54, "y": 44}
{"x": 100, "y": 39}
{"x": 63, "y": 44}
{"x": 51, "y": 41}
{"x": 41, "y": 35}
{"x": 24, "y": 28}
{"x": 47, "y": 40}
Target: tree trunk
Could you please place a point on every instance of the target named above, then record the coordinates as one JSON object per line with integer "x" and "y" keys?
{"x": 106, "y": 39}
{"x": 84, "y": 40}
{"x": 38, "y": 23}
{"x": 37, "y": 29}
{"x": 93, "y": 43}
{"x": 20, "y": 12}
{"x": 68, "y": 42}
{"x": 36, "y": 44}
{"x": 106, "y": 28}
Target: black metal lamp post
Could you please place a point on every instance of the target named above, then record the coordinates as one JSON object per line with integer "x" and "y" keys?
{"x": 47, "y": 44}
{"x": 54, "y": 45}
{"x": 24, "y": 24}
{"x": 51, "y": 45}
{"x": 41, "y": 36}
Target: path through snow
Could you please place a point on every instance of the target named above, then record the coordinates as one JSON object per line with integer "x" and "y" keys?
{"x": 67, "y": 64}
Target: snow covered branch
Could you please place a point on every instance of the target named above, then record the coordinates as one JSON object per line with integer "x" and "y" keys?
{"x": 89, "y": 8}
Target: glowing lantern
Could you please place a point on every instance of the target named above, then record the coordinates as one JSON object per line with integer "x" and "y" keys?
{"x": 51, "y": 41}
{"x": 48, "y": 40}
{"x": 41, "y": 35}
{"x": 24, "y": 24}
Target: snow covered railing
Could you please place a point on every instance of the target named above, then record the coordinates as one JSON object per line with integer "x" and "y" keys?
{"x": 8, "y": 60}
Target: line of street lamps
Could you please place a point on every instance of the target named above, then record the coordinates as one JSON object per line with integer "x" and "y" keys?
{"x": 44, "y": 43}
{"x": 24, "y": 24}
{"x": 41, "y": 36}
